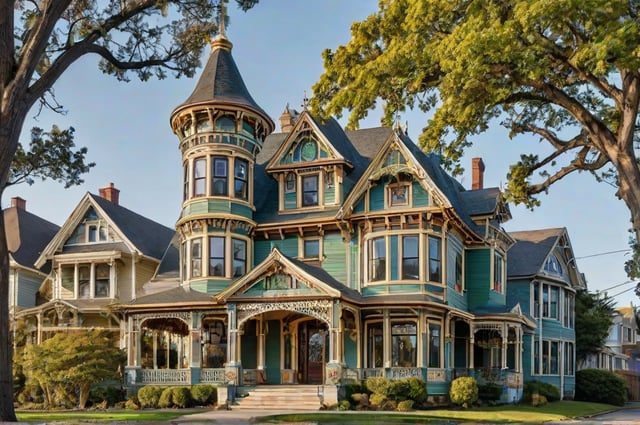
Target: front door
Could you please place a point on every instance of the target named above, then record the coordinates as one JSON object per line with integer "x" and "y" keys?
{"x": 312, "y": 352}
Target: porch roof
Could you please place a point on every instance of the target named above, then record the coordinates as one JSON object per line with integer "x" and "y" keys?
{"x": 173, "y": 297}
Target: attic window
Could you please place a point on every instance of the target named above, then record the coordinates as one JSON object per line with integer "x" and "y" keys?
{"x": 290, "y": 183}
{"x": 398, "y": 194}
{"x": 553, "y": 266}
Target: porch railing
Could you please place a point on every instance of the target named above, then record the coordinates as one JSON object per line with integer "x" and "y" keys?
{"x": 166, "y": 376}
{"x": 212, "y": 376}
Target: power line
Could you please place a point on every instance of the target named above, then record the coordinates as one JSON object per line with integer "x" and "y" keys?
{"x": 603, "y": 253}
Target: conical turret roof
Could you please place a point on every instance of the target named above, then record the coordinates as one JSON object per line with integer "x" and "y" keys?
{"x": 221, "y": 83}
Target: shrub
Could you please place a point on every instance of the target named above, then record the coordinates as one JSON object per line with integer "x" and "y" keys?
{"x": 149, "y": 396}
{"x": 417, "y": 390}
{"x": 204, "y": 394}
{"x": 343, "y": 405}
{"x": 600, "y": 386}
{"x": 464, "y": 391}
{"x": 132, "y": 403}
{"x": 166, "y": 398}
{"x": 550, "y": 391}
{"x": 181, "y": 397}
{"x": 361, "y": 400}
{"x": 110, "y": 395}
{"x": 351, "y": 389}
{"x": 378, "y": 385}
{"x": 405, "y": 406}
{"x": 377, "y": 400}
{"x": 489, "y": 392}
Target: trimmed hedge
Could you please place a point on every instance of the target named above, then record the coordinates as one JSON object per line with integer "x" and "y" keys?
{"x": 464, "y": 391}
{"x": 549, "y": 391}
{"x": 600, "y": 386}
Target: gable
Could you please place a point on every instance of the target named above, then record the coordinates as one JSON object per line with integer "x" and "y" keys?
{"x": 309, "y": 142}
{"x": 394, "y": 179}
{"x": 92, "y": 228}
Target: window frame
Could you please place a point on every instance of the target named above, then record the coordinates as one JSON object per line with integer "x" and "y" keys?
{"x": 404, "y": 258}
{"x": 377, "y": 259}
{"x": 217, "y": 255}
{"x": 199, "y": 179}
{"x": 244, "y": 193}
{"x": 236, "y": 260}
{"x": 219, "y": 173}
{"x": 434, "y": 276}
{"x": 86, "y": 286}
{"x": 195, "y": 258}
{"x": 396, "y": 343}
{"x": 498, "y": 272}
{"x": 398, "y": 194}
{"x": 303, "y": 179}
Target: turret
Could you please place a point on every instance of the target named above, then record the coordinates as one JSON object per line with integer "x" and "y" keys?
{"x": 221, "y": 130}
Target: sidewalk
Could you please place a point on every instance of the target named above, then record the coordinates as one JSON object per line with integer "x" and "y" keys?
{"x": 229, "y": 417}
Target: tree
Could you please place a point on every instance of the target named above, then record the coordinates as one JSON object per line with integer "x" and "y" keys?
{"x": 564, "y": 71}
{"x": 594, "y": 317}
{"x": 40, "y": 40}
{"x": 68, "y": 365}
{"x": 51, "y": 155}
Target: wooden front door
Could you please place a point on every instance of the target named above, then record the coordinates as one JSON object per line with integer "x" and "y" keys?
{"x": 312, "y": 352}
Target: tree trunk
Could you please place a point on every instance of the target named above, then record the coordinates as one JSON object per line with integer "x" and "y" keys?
{"x": 629, "y": 181}
{"x": 7, "y": 412}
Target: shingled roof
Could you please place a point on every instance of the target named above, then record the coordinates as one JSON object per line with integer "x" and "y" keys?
{"x": 221, "y": 82}
{"x": 150, "y": 237}
{"x": 530, "y": 251}
{"x": 30, "y": 233}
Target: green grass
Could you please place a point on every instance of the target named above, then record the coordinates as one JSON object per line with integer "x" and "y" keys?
{"x": 557, "y": 411}
{"x": 100, "y": 416}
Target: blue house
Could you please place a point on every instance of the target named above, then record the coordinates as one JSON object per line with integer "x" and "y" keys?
{"x": 318, "y": 256}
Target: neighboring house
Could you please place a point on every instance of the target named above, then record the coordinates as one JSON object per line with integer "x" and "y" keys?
{"x": 313, "y": 256}
{"x": 621, "y": 353}
{"x": 543, "y": 278}
{"x": 27, "y": 235}
{"x": 102, "y": 255}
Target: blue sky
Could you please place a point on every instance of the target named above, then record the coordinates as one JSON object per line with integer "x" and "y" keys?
{"x": 277, "y": 47}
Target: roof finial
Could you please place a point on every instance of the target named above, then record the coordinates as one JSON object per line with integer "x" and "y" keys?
{"x": 219, "y": 5}
{"x": 305, "y": 101}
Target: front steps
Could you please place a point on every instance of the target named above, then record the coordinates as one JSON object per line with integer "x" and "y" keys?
{"x": 284, "y": 397}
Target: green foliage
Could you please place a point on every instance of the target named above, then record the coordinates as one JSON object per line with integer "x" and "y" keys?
{"x": 52, "y": 156}
{"x": 378, "y": 385}
{"x": 132, "y": 403}
{"x": 549, "y": 391}
{"x": 109, "y": 395}
{"x": 149, "y": 396}
{"x": 594, "y": 317}
{"x": 181, "y": 397}
{"x": 68, "y": 365}
{"x": 464, "y": 391}
{"x": 489, "y": 392}
{"x": 166, "y": 398}
{"x": 204, "y": 394}
{"x": 600, "y": 386}
{"x": 405, "y": 406}
{"x": 548, "y": 70}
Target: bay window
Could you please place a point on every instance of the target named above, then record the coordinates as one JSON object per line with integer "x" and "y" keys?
{"x": 219, "y": 176}
{"x": 410, "y": 258}
{"x": 92, "y": 280}
{"x": 239, "y": 248}
{"x": 241, "y": 177}
{"x": 216, "y": 256}
{"x": 199, "y": 176}
{"x": 375, "y": 345}
{"x": 435, "y": 259}
{"x": 378, "y": 257}
{"x": 403, "y": 344}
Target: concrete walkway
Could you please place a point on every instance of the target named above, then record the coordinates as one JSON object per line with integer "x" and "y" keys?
{"x": 230, "y": 417}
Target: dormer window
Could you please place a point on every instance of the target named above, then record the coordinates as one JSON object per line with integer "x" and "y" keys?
{"x": 310, "y": 190}
{"x": 91, "y": 230}
{"x": 290, "y": 183}
{"x": 398, "y": 195}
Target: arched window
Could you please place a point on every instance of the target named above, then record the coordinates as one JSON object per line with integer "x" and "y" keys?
{"x": 226, "y": 123}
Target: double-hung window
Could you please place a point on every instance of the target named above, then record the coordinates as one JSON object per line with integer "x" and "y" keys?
{"x": 410, "y": 258}
{"x": 310, "y": 190}
{"x": 220, "y": 175}
{"x": 377, "y": 259}
{"x": 216, "y": 256}
{"x": 199, "y": 176}
{"x": 435, "y": 259}
{"x": 241, "y": 176}
{"x": 239, "y": 248}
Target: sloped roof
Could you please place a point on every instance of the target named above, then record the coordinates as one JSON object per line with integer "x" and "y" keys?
{"x": 30, "y": 232}
{"x": 528, "y": 254}
{"x": 174, "y": 297}
{"x": 150, "y": 237}
{"x": 170, "y": 263}
{"x": 221, "y": 82}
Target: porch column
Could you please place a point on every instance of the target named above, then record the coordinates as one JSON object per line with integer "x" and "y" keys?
{"x": 232, "y": 368}
{"x": 261, "y": 343}
{"x": 386, "y": 339}
{"x": 472, "y": 344}
{"x": 334, "y": 334}
{"x": 505, "y": 336}
{"x": 423, "y": 340}
{"x": 155, "y": 349}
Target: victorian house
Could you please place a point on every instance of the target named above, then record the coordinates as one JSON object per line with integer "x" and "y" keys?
{"x": 313, "y": 256}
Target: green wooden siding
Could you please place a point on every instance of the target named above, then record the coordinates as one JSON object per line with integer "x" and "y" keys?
{"x": 335, "y": 256}
{"x": 272, "y": 352}
{"x": 210, "y": 286}
{"x": 350, "y": 351}
{"x": 376, "y": 198}
{"x": 213, "y": 206}
{"x": 477, "y": 276}
{"x": 519, "y": 291}
{"x": 330, "y": 195}
{"x": 420, "y": 196}
{"x": 290, "y": 201}
{"x": 262, "y": 249}
{"x": 249, "y": 347}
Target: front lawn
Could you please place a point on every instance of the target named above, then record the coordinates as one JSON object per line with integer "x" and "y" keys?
{"x": 100, "y": 416}
{"x": 557, "y": 411}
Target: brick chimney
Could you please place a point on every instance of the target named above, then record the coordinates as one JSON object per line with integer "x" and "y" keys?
{"x": 110, "y": 193}
{"x": 18, "y": 202}
{"x": 288, "y": 119}
{"x": 477, "y": 176}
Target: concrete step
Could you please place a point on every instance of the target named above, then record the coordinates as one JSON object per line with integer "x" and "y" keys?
{"x": 279, "y": 397}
